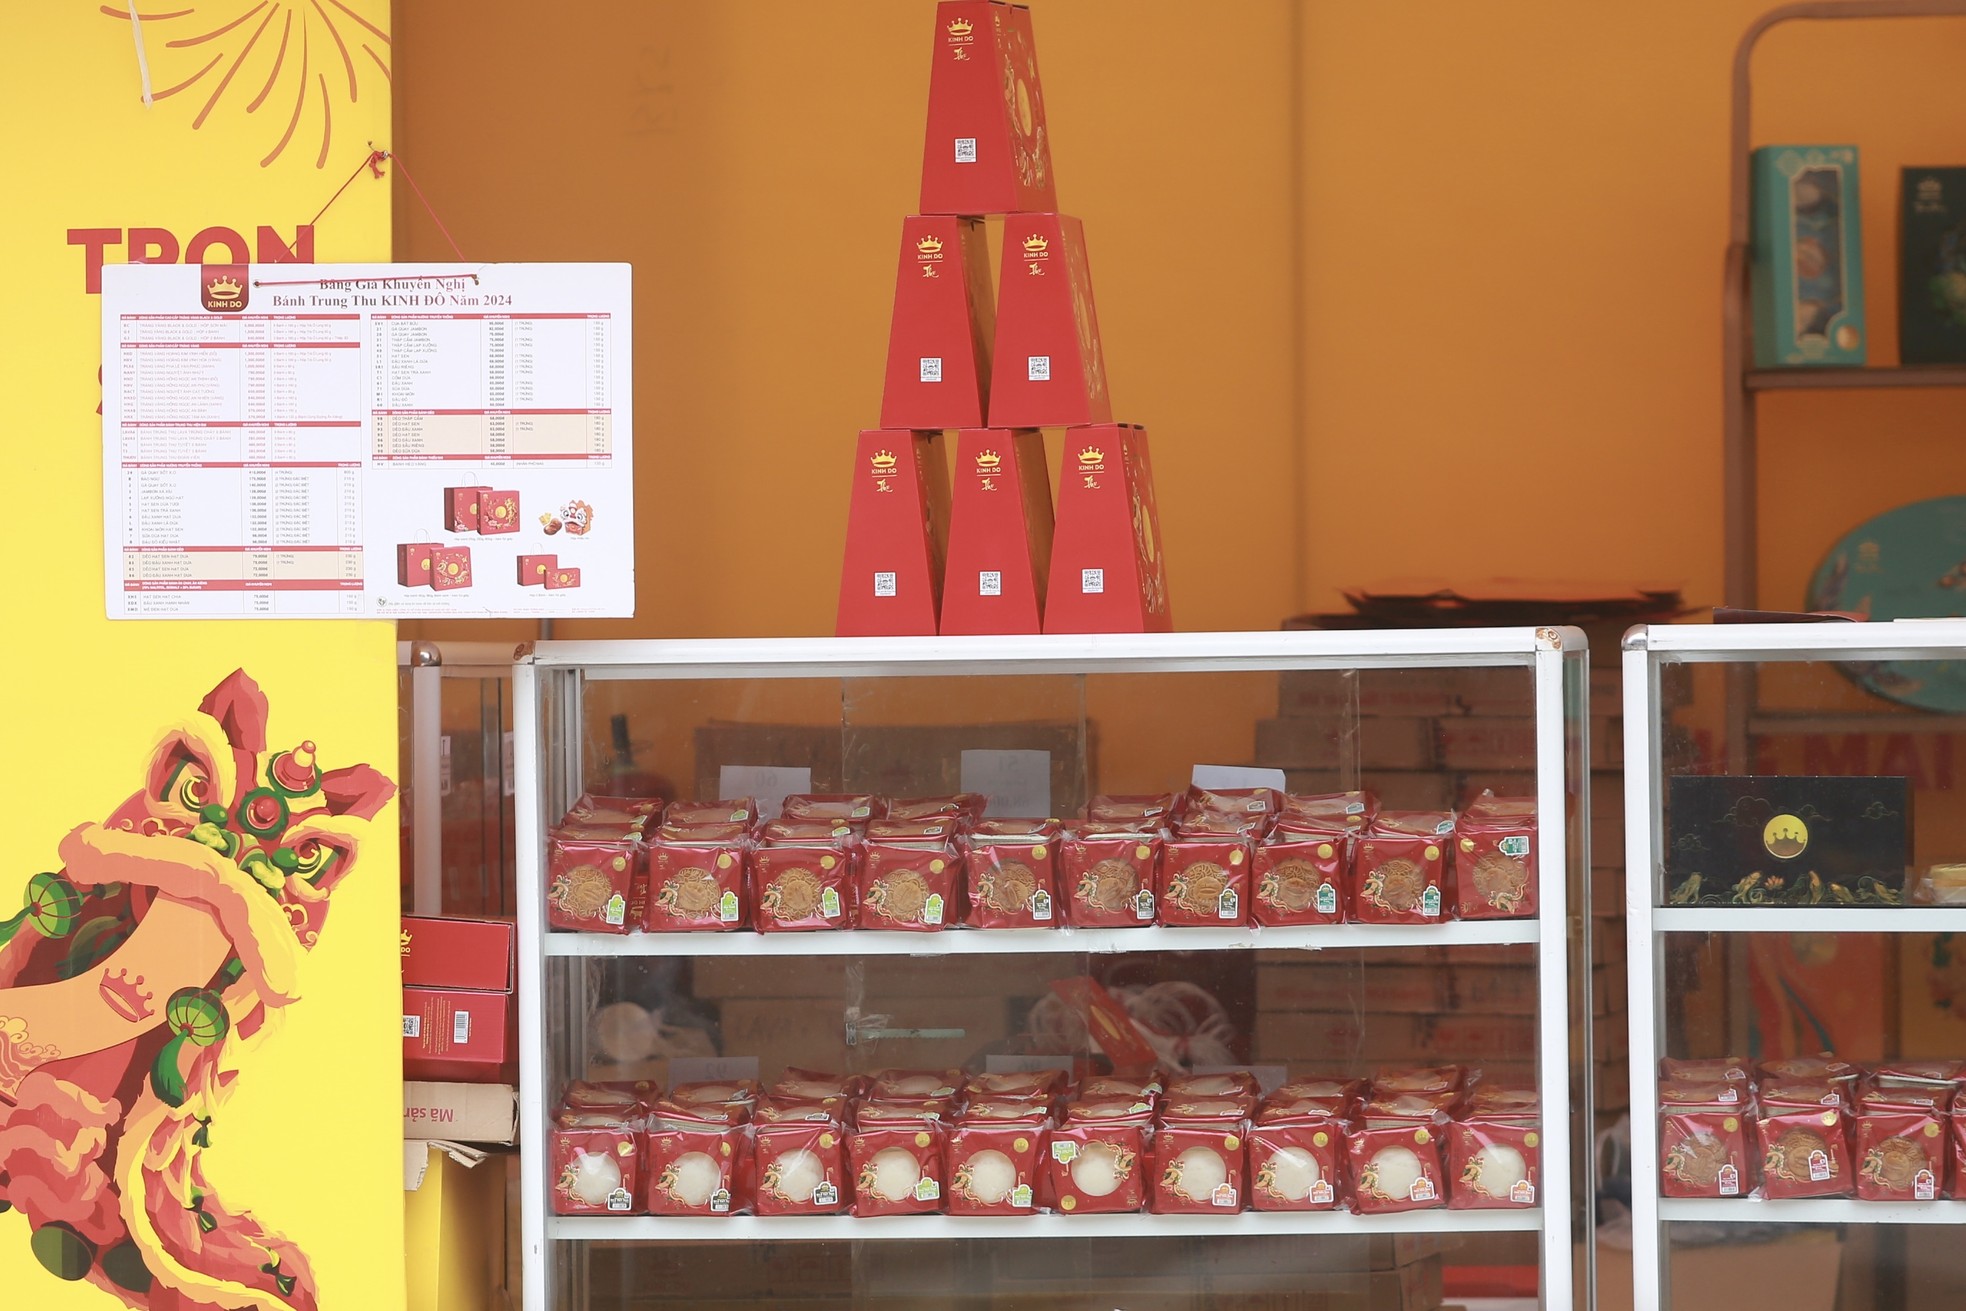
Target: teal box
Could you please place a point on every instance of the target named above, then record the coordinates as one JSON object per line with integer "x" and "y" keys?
{"x": 1807, "y": 281}
{"x": 1932, "y": 276}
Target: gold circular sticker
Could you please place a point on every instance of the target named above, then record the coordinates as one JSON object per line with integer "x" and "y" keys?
{"x": 1467, "y": 844}
{"x": 1422, "y": 1136}
{"x": 1931, "y": 1131}
{"x": 620, "y": 862}
{"x": 923, "y": 1140}
{"x": 827, "y": 862}
{"x": 625, "y": 1149}
{"x": 723, "y": 860}
{"x": 1230, "y": 1141}
{"x": 1021, "y": 1144}
{"x": 825, "y": 1140}
{"x": 1235, "y": 858}
{"x": 1324, "y": 851}
{"x": 724, "y": 1148}
{"x": 1321, "y": 1139}
{"x": 935, "y": 866}
{"x": 1433, "y": 852}
{"x": 1730, "y": 1124}
{"x": 1829, "y": 1117}
{"x": 1531, "y": 1138}
{"x": 1143, "y": 851}
{"x": 1037, "y": 852}
{"x": 1068, "y": 1203}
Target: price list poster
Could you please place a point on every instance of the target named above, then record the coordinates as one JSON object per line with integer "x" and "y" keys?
{"x": 321, "y": 441}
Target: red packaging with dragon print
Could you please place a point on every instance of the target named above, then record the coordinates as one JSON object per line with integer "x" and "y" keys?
{"x": 450, "y": 568}
{"x": 1957, "y": 1137}
{"x": 897, "y": 1165}
{"x": 1199, "y": 1158}
{"x": 1703, "y": 1147}
{"x": 1399, "y": 868}
{"x": 1204, "y": 881}
{"x": 498, "y": 512}
{"x": 852, "y": 807}
{"x": 1395, "y": 1166}
{"x": 1495, "y": 1163}
{"x": 590, "y": 882}
{"x": 800, "y": 1168}
{"x": 1111, "y": 876}
{"x": 1901, "y": 1146}
{"x": 695, "y": 1166}
{"x": 695, "y": 887}
{"x": 1805, "y": 1149}
{"x": 1095, "y": 1162}
{"x": 596, "y": 1163}
{"x": 1495, "y": 859}
{"x": 913, "y": 888}
{"x": 994, "y": 1164}
{"x": 1011, "y": 868}
{"x": 797, "y": 888}
{"x": 1297, "y": 1164}
{"x": 1299, "y": 878}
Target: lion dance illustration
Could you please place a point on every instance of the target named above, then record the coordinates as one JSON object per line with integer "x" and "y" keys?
{"x": 132, "y": 983}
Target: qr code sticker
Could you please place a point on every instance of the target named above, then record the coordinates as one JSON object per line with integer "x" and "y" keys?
{"x": 884, "y": 584}
{"x": 1092, "y": 581}
{"x": 989, "y": 582}
{"x": 931, "y": 368}
{"x": 965, "y": 150}
{"x": 412, "y": 1026}
{"x": 1038, "y": 368}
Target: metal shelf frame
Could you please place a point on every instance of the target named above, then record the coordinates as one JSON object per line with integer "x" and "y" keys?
{"x": 549, "y": 679}
{"x": 1649, "y": 924}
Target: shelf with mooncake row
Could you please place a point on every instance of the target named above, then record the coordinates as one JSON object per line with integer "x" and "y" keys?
{"x": 919, "y": 1228}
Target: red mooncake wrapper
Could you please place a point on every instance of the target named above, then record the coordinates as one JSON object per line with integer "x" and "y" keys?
{"x": 695, "y": 887}
{"x": 1399, "y": 869}
{"x": 1494, "y": 1164}
{"x": 800, "y": 1168}
{"x": 917, "y": 890}
{"x": 1204, "y": 881}
{"x": 1495, "y": 872}
{"x": 596, "y": 1162}
{"x": 898, "y": 1168}
{"x": 1012, "y": 876}
{"x": 1297, "y": 1165}
{"x": 799, "y": 888}
{"x": 1111, "y": 878}
{"x": 591, "y": 883}
{"x": 1299, "y": 878}
{"x": 1395, "y": 1168}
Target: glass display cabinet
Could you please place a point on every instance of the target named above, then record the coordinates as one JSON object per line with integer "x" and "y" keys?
{"x": 454, "y": 703}
{"x": 1233, "y": 1079}
{"x": 1797, "y": 843}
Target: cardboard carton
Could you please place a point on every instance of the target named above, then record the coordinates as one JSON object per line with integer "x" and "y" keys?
{"x": 891, "y": 578}
{"x": 986, "y": 150}
{"x": 1000, "y": 533}
{"x": 938, "y": 342}
{"x": 1108, "y": 574}
{"x": 457, "y": 953}
{"x": 460, "y": 1112}
{"x": 1047, "y": 368}
{"x": 1807, "y": 280}
{"x": 454, "y": 1034}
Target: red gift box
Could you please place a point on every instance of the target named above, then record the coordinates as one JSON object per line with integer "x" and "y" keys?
{"x": 1111, "y": 877}
{"x": 938, "y": 344}
{"x": 591, "y": 881}
{"x": 461, "y": 508}
{"x": 1805, "y": 1149}
{"x": 1000, "y": 529}
{"x": 534, "y": 568}
{"x": 1012, "y": 875}
{"x": 1703, "y": 1148}
{"x": 596, "y": 1166}
{"x": 1203, "y": 881}
{"x": 1399, "y": 868}
{"x": 800, "y": 1168}
{"x": 897, "y": 1165}
{"x": 460, "y": 1036}
{"x": 891, "y": 574}
{"x": 1495, "y": 1163}
{"x": 413, "y": 563}
{"x": 1107, "y": 571}
{"x": 457, "y": 953}
{"x": 1296, "y": 1165}
{"x": 498, "y": 512}
{"x": 1098, "y": 1166}
{"x": 1198, "y": 1169}
{"x": 993, "y": 1166}
{"x": 450, "y": 568}
{"x": 1901, "y": 1146}
{"x": 986, "y": 150}
{"x": 798, "y": 888}
{"x": 914, "y": 889}
{"x": 1047, "y": 368}
{"x": 1299, "y": 878}
{"x": 1495, "y": 859}
{"x": 1395, "y": 1166}
{"x": 560, "y": 577}
{"x": 695, "y": 1167}
{"x": 695, "y": 887}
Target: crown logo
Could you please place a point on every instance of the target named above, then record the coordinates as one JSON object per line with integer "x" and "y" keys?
{"x": 961, "y": 27}
{"x": 883, "y": 459}
{"x": 1036, "y": 244}
{"x": 988, "y": 460}
{"x": 224, "y": 288}
{"x": 1092, "y": 455}
{"x": 406, "y": 942}
{"x": 930, "y": 245}
{"x": 125, "y": 996}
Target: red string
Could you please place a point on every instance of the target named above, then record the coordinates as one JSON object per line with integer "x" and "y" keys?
{"x": 373, "y": 162}
{"x": 387, "y": 154}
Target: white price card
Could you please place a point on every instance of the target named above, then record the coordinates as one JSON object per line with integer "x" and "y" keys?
{"x": 769, "y": 784}
{"x": 1236, "y": 776}
{"x": 368, "y": 440}
{"x": 711, "y": 1069}
{"x": 1014, "y": 782}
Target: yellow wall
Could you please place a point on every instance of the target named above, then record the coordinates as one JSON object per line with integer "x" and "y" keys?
{"x": 1399, "y": 288}
{"x": 307, "y": 1140}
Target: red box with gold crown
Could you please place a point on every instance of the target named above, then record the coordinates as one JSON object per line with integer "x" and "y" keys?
{"x": 891, "y": 578}
{"x": 986, "y": 150}
{"x": 999, "y": 534}
{"x": 938, "y": 343}
{"x": 1107, "y": 572}
{"x": 1048, "y": 369}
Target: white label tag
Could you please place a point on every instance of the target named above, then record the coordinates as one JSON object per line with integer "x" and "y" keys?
{"x": 1064, "y": 1153}
{"x": 1321, "y": 1194}
{"x": 1818, "y": 1166}
{"x": 965, "y": 150}
{"x": 727, "y": 907}
{"x": 770, "y": 784}
{"x": 1092, "y": 581}
{"x": 620, "y": 1200}
{"x": 1143, "y": 905}
{"x": 931, "y": 368}
{"x": 1730, "y": 1181}
{"x": 412, "y": 1026}
{"x": 720, "y": 1201}
{"x": 932, "y": 909}
{"x": 616, "y": 911}
{"x": 1924, "y": 1187}
{"x": 884, "y": 584}
{"x": 1020, "y": 1197}
{"x": 1430, "y": 903}
{"x": 825, "y": 1195}
{"x": 1235, "y": 776}
{"x": 1327, "y": 899}
{"x": 1522, "y": 1193}
{"x": 989, "y": 582}
{"x": 1227, "y": 905}
{"x": 829, "y": 903}
{"x": 1514, "y": 845}
{"x": 1011, "y": 782}
{"x": 461, "y": 1028}
{"x": 927, "y": 1189}
{"x": 1040, "y": 905}
{"x": 1422, "y": 1190}
{"x": 1037, "y": 368}
{"x": 1224, "y": 1195}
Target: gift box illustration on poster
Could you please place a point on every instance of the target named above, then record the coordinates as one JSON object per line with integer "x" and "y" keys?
{"x": 985, "y": 371}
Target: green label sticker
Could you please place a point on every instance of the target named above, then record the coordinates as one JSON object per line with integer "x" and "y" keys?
{"x": 616, "y": 911}
{"x": 1518, "y": 845}
{"x": 932, "y": 909}
{"x": 727, "y": 909}
{"x": 829, "y": 903}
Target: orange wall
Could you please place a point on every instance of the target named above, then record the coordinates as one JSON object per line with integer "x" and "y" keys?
{"x": 1415, "y": 288}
